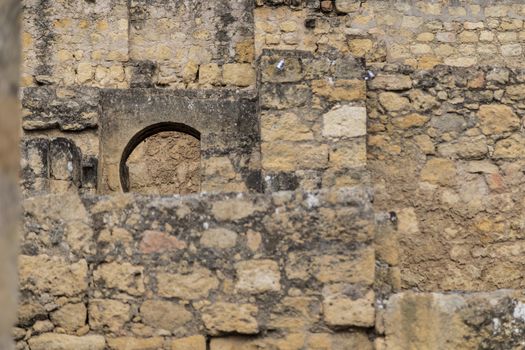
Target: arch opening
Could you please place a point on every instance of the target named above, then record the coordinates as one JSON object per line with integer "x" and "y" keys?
{"x": 164, "y": 158}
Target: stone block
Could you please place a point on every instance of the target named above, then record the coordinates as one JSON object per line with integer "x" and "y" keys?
{"x": 53, "y": 275}
{"x": 390, "y": 82}
{"x": 191, "y": 286}
{"x": 108, "y": 314}
{"x": 357, "y": 267}
{"x": 284, "y": 127}
{"x": 196, "y": 342}
{"x": 347, "y": 305}
{"x": 210, "y": 74}
{"x": 130, "y": 343}
{"x": 340, "y": 90}
{"x": 159, "y": 242}
{"x": 345, "y": 121}
{"x": 124, "y": 277}
{"x": 291, "y": 71}
{"x": 439, "y": 171}
{"x": 393, "y": 102}
{"x": 53, "y": 341}
{"x": 164, "y": 314}
{"x": 258, "y": 276}
{"x": 227, "y": 317}
{"x": 218, "y": 238}
{"x": 283, "y": 96}
{"x": 413, "y": 120}
{"x": 232, "y": 209}
{"x": 70, "y": 317}
{"x": 349, "y": 154}
{"x": 238, "y": 74}
{"x": 287, "y": 156}
{"x": 497, "y": 119}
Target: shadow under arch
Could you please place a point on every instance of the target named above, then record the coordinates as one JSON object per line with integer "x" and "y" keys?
{"x": 144, "y": 134}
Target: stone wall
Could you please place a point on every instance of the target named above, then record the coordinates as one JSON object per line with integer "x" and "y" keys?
{"x": 421, "y": 101}
{"x": 9, "y": 165}
{"x": 422, "y": 34}
{"x": 313, "y": 120}
{"x": 118, "y": 44}
{"x": 446, "y": 153}
{"x": 290, "y": 270}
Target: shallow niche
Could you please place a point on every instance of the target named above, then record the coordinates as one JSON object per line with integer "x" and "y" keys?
{"x": 162, "y": 162}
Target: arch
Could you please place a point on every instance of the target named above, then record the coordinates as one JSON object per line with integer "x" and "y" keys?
{"x": 143, "y": 135}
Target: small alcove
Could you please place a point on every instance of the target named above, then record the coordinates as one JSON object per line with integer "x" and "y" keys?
{"x": 164, "y": 158}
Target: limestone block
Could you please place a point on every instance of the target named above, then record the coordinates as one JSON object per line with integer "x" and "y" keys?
{"x": 42, "y": 326}
{"x": 70, "y": 317}
{"x": 464, "y": 61}
{"x": 124, "y": 277}
{"x": 44, "y": 274}
{"x": 238, "y": 74}
{"x": 291, "y": 71}
{"x": 129, "y": 343}
{"x": 497, "y": 119}
{"x": 196, "y": 342}
{"x": 345, "y": 121}
{"x": 284, "y": 127}
{"x": 158, "y": 242}
{"x": 516, "y": 92}
{"x": 510, "y": 148}
{"x": 164, "y": 314}
{"x": 232, "y": 209}
{"x": 29, "y": 312}
{"x": 110, "y": 314}
{"x": 346, "y": 305}
{"x": 84, "y": 72}
{"x": 218, "y": 238}
{"x": 210, "y": 74}
{"x": 228, "y": 317}
{"x": 340, "y": 90}
{"x": 439, "y": 171}
{"x": 293, "y": 156}
{"x": 413, "y": 120}
{"x": 360, "y": 47}
{"x": 295, "y": 313}
{"x": 282, "y": 96}
{"x": 53, "y": 341}
{"x": 258, "y": 276}
{"x": 405, "y": 310}
{"x": 349, "y": 154}
{"x": 391, "y": 82}
{"x": 393, "y": 102}
{"x": 194, "y": 285}
{"x": 358, "y": 267}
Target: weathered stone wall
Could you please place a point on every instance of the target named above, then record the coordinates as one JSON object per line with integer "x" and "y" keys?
{"x": 280, "y": 93}
{"x": 422, "y": 34}
{"x": 291, "y": 270}
{"x": 9, "y": 165}
{"x": 446, "y": 153}
{"x": 119, "y": 44}
{"x": 313, "y": 120}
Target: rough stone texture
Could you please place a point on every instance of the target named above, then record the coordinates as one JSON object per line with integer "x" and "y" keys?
{"x": 453, "y": 177}
{"x": 134, "y": 299}
{"x": 474, "y": 321}
{"x": 276, "y": 91}
{"x": 166, "y": 163}
{"x": 53, "y": 341}
{"x": 9, "y": 164}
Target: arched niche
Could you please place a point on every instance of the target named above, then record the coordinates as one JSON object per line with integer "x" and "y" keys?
{"x": 163, "y": 158}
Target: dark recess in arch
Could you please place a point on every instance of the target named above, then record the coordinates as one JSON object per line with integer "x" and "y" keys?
{"x": 144, "y": 134}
